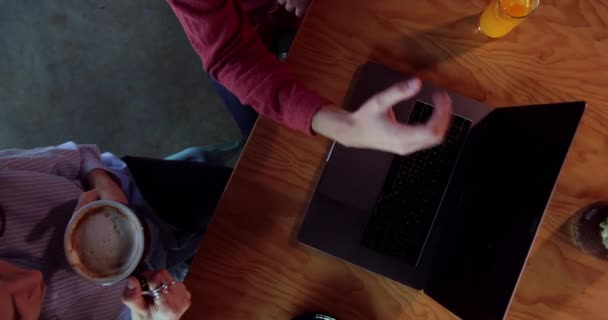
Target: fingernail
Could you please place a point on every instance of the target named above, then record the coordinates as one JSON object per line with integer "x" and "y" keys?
{"x": 131, "y": 284}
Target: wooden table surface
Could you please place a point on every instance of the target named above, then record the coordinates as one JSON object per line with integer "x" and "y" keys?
{"x": 250, "y": 267}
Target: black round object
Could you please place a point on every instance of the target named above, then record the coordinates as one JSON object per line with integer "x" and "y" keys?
{"x": 585, "y": 230}
{"x": 314, "y": 316}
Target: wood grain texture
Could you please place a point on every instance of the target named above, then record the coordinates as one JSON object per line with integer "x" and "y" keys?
{"x": 249, "y": 266}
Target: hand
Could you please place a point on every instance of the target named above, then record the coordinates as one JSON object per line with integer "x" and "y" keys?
{"x": 21, "y": 292}
{"x": 104, "y": 188}
{"x": 373, "y": 126}
{"x": 169, "y": 306}
{"x": 299, "y": 6}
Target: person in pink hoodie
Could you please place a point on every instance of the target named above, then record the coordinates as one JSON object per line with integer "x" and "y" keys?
{"x": 224, "y": 33}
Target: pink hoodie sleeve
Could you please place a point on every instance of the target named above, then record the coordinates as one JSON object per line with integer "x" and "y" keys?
{"x": 234, "y": 54}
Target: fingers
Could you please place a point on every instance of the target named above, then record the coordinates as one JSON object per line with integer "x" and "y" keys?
{"x": 157, "y": 278}
{"x": 298, "y": 6}
{"x": 175, "y": 300}
{"x": 439, "y": 122}
{"x": 133, "y": 298}
{"x": 171, "y": 303}
{"x": 28, "y": 290}
{"x": 25, "y": 290}
{"x": 430, "y": 134}
{"x": 107, "y": 187}
{"x": 386, "y": 99}
{"x": 114, "y": 193}
{"x": 86, "y": 198}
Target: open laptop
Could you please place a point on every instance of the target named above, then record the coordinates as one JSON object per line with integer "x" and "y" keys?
{"x": 456, "y": 221}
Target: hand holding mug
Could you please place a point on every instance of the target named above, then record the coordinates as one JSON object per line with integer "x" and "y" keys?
{"x": 170, "y": 302}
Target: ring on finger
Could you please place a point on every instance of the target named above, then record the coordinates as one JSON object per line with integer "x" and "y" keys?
{"x": 156, "y": 291}
{"x": 160, "y": 290}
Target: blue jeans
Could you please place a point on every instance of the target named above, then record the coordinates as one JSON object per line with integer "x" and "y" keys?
{"x": 244, "y": 115}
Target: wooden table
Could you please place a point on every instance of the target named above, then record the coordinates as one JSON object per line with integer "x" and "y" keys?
{"x": 249, "y": 266}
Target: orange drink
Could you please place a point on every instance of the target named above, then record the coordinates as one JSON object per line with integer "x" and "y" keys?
{"x": 501, "y": 16}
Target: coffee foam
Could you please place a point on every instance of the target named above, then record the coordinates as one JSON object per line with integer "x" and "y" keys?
{"x": 103, "y": 242}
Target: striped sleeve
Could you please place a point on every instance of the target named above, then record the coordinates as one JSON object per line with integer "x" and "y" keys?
{"x": 68, "y": 160}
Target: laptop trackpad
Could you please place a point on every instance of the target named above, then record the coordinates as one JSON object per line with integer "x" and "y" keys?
{"x": 354, "y": 177}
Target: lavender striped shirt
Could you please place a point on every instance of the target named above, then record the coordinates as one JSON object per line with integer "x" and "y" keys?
{"x": 38, "y": 192}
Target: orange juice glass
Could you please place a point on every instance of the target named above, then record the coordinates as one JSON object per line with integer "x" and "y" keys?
{"x": 501, "y": 16}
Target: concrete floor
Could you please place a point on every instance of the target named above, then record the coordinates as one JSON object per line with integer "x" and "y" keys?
{"x": 120, "y": 74}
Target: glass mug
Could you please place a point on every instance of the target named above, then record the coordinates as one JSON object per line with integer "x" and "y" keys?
{"x": 502, "y": 16}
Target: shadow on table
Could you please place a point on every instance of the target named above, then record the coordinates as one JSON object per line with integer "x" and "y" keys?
{"x": 342, "y": 291}
{"x": 552, "y": 266}
{"x": 341, "y": 295}
{"x": 425, "y": 49}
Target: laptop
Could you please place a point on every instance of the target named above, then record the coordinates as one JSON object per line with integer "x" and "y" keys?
{"x": 456, "y": 221}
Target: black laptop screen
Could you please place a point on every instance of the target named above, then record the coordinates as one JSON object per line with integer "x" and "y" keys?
{"x": 499, "y": 193}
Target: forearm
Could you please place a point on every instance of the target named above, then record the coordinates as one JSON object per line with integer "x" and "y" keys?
{"x": 234, "y": 54}
{"x": 333, "y": 123}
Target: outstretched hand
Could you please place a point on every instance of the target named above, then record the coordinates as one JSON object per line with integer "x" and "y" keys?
{"x": 373, "y": 125}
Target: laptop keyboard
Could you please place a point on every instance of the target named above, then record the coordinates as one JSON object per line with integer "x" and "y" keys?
{"x": 412, "y": 192}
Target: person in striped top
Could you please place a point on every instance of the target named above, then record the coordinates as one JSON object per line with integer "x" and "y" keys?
{"x": 39, "y": 191}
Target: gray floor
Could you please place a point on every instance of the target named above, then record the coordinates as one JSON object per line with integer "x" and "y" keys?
{"x": 120, "y": 74}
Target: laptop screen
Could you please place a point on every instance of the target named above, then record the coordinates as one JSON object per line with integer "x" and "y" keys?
{"x": 500, "y": 191}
